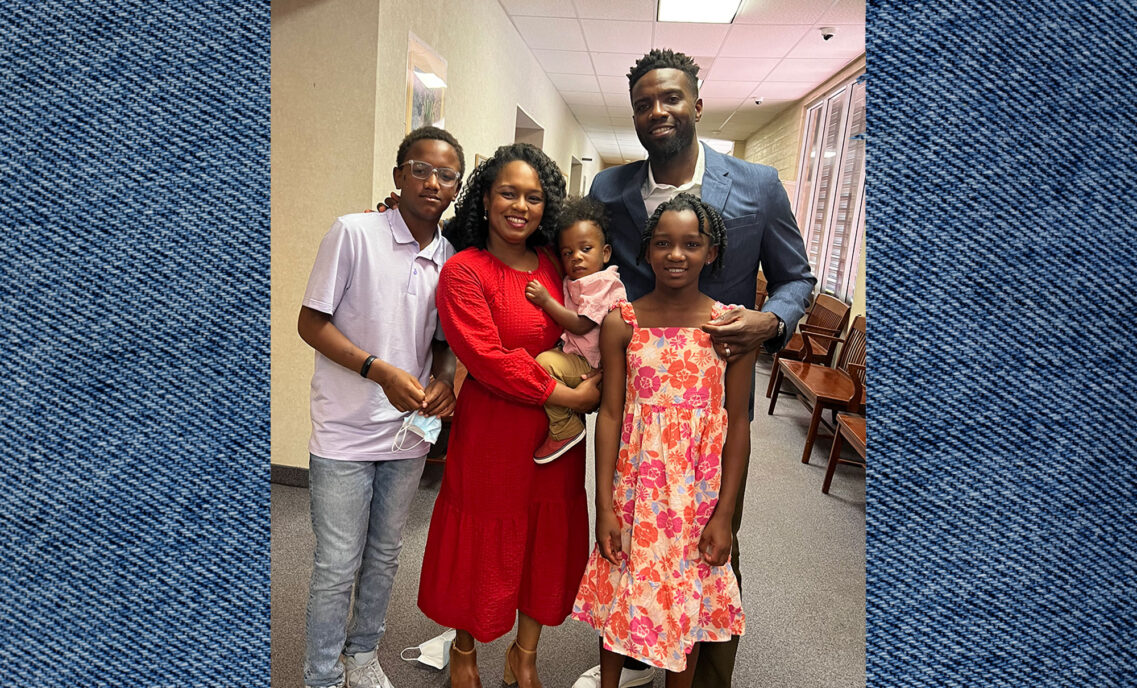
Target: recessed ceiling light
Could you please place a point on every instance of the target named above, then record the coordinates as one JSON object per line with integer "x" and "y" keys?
{"x": 700, "y": 11}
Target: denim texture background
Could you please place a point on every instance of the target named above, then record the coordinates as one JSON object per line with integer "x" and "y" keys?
{"x": 134, "y": 156}
{"x": 134, "y": 512}
{"x": 1001, "y": 501}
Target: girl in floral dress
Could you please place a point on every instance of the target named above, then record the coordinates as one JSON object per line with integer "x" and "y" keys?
{"x": 671, "y": 438}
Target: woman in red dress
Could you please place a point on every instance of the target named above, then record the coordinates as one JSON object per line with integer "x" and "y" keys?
{"x": 508, "y": 537}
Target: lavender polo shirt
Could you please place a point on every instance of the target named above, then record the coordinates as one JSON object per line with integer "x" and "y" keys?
{"x": 379, "y": 289}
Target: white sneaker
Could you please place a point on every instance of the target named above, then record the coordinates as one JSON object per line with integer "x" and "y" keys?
{"x": 628, "y": 677}
{"x": 363, "y": 671}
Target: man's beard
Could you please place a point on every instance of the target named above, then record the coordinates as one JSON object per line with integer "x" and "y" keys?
{"x": 665, "y": 150}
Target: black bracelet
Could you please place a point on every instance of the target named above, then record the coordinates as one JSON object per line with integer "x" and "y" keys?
{"x": 366, "y": 366}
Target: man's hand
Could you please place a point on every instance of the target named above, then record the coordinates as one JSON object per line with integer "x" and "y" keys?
{"x": 537, "y": 294}
{"x": 439, "y": 399}
{"x": 391, "y": 202}
{"x": 402, "y": 389}
{"x": 608, "y": 535}
{"x": 714, "y": 543}
{"x": 740, "y": 330}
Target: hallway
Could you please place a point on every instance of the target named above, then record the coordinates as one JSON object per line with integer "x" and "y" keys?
{"x": 803, "y": 567}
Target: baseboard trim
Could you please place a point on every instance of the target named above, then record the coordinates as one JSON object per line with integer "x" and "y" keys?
{"x": 293, "y": 476}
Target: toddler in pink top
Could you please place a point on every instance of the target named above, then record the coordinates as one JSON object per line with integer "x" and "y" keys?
{"x": 590, "y": 291}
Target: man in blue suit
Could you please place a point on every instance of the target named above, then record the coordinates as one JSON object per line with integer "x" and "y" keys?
{"x": 761, "y": 232}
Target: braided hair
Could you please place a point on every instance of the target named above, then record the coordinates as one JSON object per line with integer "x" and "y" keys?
{"x": 470, "y": 226}
{"x": 710, "y": 223}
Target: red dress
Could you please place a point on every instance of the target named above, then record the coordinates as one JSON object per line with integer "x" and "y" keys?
{"x": 506, "y": 534}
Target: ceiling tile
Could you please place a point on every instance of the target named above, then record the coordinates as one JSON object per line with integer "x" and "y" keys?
{"x": 771, "y": 91}
{"x": 614, "y": 64}
{"x": 705, "y": 65}
{"x": 782, "y": 11}
{"x": 625, "y": 111}
{"x": 764, "y": 40}
{"x": 727, "y": 89}
{"x": 615, "y": 85}
{"x": 637, "y": 10}
{"x": 630, "y": 36}
{"x": 574, "y": 98}
{"x": 591, "y": 111}
{"x": 811, "y": 71}
{"x": 742, "y": 68}
{"x": 847, "y": 42}
{"x": 550, "y": 34}
{"x": 537, "y": 8}
{"x": 564, "y": 61}
{"x": 722, "y": 104}
{"x": 574, "y": 82}
{"x": 617, "y": 99}
{"x": 844, "y": 12}
{"x": 692, "y": 39}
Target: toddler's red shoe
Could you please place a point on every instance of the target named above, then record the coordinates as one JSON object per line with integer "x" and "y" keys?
{"x": 551, "y": 449}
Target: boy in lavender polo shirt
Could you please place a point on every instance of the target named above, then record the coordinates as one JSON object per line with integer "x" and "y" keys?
{"x": 369, "y": 313}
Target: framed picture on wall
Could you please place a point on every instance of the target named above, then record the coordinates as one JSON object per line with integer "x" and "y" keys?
{"x": 426, "y": 85}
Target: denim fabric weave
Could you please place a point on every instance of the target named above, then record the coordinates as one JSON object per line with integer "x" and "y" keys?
{"x": 1002, "y": 510}
{"x": 134, "y": 157}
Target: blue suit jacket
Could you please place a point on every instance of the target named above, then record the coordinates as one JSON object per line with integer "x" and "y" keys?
{"x": 760, "y": 232}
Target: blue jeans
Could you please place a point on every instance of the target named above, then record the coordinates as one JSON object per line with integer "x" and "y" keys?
{"x": 358, "y": 512}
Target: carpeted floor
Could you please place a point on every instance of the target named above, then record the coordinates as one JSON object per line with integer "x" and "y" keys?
{"x": 803, "y": 562}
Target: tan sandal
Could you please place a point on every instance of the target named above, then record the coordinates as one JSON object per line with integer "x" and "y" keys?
{"x": 510, "y": 677}
{"x": 464, "y": 659}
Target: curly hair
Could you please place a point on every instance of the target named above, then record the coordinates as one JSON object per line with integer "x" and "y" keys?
{"x": 665, "y": 59}
{"x": 430, "y": 133}
{"x": 577, "y": 209}
{"x": 710, "y": 223}
{"x": 470, "y": 227}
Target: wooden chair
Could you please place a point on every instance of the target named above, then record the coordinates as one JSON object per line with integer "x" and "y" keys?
{"x": 851, "y": 428}
{"x": 820, "y": 387}
{"x": 828, "y": 315}
{"x": 761, "y": 294}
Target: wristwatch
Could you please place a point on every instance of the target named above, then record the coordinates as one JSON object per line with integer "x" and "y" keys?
{"x": 781, "y": 328}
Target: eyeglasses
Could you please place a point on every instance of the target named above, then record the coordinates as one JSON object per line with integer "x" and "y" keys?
{"x": 423, "y": 170}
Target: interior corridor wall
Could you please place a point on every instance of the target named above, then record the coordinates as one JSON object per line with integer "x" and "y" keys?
{"x": 338, "y": 110}
{"x": 778, "y": 144}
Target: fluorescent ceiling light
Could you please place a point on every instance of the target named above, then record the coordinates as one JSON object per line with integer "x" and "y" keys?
{"x": 430, "y": 79}
{"x": 698, "y": 11}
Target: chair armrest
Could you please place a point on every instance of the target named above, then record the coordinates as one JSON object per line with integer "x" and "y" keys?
{"x": 807, "y": 348}
{"x": 857, "y": 373}
{"x": 817, "y": 329}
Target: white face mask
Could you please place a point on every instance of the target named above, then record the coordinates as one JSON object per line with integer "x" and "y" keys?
{"x": 421, "y": 429}
{"x": 434, "y": 652}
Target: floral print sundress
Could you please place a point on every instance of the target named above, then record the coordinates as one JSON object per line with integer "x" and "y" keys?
{"x": 662, "y": 598}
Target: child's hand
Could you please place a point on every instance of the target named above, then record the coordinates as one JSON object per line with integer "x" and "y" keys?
{"x": 403, "y": 390}
{"x": 715, "y": 542}
{"x": 608, "y": 535}
{"x": 439, "y": 399}
{"x": 537, "y": 294}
